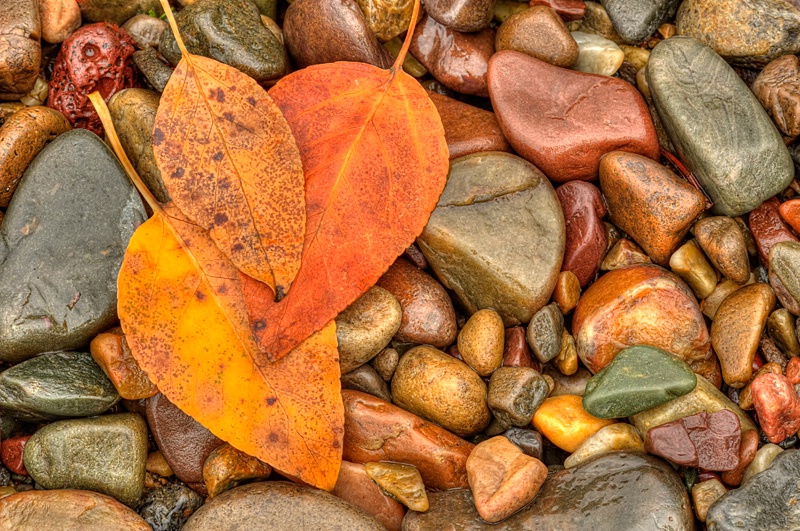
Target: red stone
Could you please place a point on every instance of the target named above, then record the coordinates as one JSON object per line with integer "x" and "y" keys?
{"x": 768, "y": 228}
{"x": 758, "y": 361}
{"x": 96, "y": 57}
{"x": 415, "y": 256}
{"x": 792, "y": 370}
{"x": 567, "y": 9}
{"x": 777, "y": 406}
{"x": 586, "y": 234}
{"x": 747, "y": 452}
{"x": 457, "y": 60}
{"x": 707, "y": 441}
{"x": 468, "y": 129}
{"x": 516, "y": 352}
{"x": 790, "y": 212}
{"x": 563, "y": 121}
{"x": 11, "y": 452}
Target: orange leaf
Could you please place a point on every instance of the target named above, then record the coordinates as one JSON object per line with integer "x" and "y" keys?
{"x": 376, "y": 161}
{"x": 230, "y": 163}
{"x": 182, "y": 308}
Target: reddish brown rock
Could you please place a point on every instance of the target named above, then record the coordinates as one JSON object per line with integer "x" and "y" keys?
{"x": 777, "y": 406}
{"x": 502, "y": 478}
{"x": 649, "y": 202}
{"x": 428, "y": 314}
{"x": 792, "y": 370}
{"x": 642, "y": 305}
{"x": 375, "y": 430}
{"x": 111, "y": 352}
{"x": 458, "y": 60}
{"x": 11, "y": 452}
{"x": 325, "y": 31}
{"x": 20, "y": 52}
{"x": 745, "y": 396}
{"x": 568, "y": 9}
{"x": 586, "y": 234}
{"x": 466, "y": 16}
{"x": 768, "y": 228}
{"x": 184, "y": 443}
{"x": 540, "y": 33}
{"x": 516, "y": 352}
{"x": 564, "y": 121}
{"x": 96, "y": 57}
{"x": 724, "y": 244}
{"x": 747, "y": 451}
{"x": 790, "y": 212}
{"x": 468, "y": 129}
{"x": 354, "y": 486}
{"x": 708, "y": 441}
{"x": 624, "y": 253}
{"x": 226, "y": 467}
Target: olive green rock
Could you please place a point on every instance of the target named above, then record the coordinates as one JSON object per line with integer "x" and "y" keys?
{"x": 718, "y": 127}
{"x": 496, "y": 237}
{"x": 784, "y": 265}
{"x": 105, "y": 454}
{"x": 639, "y": 378}
{"x": 231, "y": 32}
{"x": 55, "y": 386}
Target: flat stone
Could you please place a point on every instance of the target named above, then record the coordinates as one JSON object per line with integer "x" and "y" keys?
{"x": 565, "y": 423}
{"x": 502, "y": 478}
{"x": 104, "y": 454}
{"x": 67, "y": 510}
{"x": 612, "y": 438}
{"x": 183, "y": 441}
{"x": 616, "y": 491}
{"x": 637, "y": 379}
{"x": 279, "y": 505}
{"x": 607, "y": 320}
{"x": 375, "y": 430}
{"x": 777, "y": 88}
{"x": 365, "y": 327}
{"x": 739, "y": 168}
{"x": 597, "y": 55}
{"x": 21, "y": 53}
{"x": 480, "y": 342}
{"x": 649, "y": 202}
{"x": 564, "y": 121}
{"x": 737, "y": 328}
{"x": 402, "y": 482}
{"x": 457, "y": 60}
{"x": 497, "y": 236}
{"x": 167, "y": 508}
{"x": 427, "y": 311}
{"x": 540, "y": 33}
{"x": 767, "y": 502}
{"x": 468, "y": 16}
{"x": 355, "y": 486}
{"x": 637, "y": 20}
{"x": 231, "y": 32}
{"x": 58, "y": 282}
{"x": 705, "y": 440}
{"x": 442, "y": 389}
{"x": 468, "y": 129}
{"x": 586, "y": 244}
{"x": 55, "y": 386}
{"x": 748, "y": 33}
{"x": 723, "y": 242}
{"x": 777, "y": 406}
{"x": 515, "y": 393}
{"x": 387, "y": 18}
{"x": 133, "y": 112}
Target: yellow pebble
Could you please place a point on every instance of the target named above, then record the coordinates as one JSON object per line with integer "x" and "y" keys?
{"x": 565, "y": 423}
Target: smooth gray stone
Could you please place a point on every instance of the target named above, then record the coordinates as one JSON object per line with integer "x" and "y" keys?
{"x": 279, "y": 505}
{"x": 613, "y": 492}
{"x": 55, "y": 386}
{"x": 718, "y": 127}
{"x": 105, "y": 454}
{"x": 231, "y": 32}
{"x": 61, "y": 246}
{"x": 767, "y": 502}
{"x": 637, "y": 20}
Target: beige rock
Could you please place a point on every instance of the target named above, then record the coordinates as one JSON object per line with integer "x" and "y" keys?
{"x": 607, "y": 439}
{"x": 59, "y": 19}
{"x": 402, "y": 482}
{"x": 481, "y": 342}
{"x": 366, "y": 327}
{"x": 705, "y": 494}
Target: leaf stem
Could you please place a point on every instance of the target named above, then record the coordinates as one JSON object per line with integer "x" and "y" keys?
{"x": 174, "y": 27}
{"x": 398, "y": 63}
{"x": 105, "y": 117}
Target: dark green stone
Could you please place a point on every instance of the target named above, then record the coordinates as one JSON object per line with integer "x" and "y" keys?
{"x": 231, "y": 32}
{"x": 55, "y": 386}
{"x": 639, "y": 378}
{"x": 105, "y": 454}
{"x": 61, "y": 246}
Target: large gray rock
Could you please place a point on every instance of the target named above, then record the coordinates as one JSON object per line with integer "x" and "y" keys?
{"x": 61, "y": 246}
{"x": 279, "y": 505}
{"x": 718, "y": 127}
{"x": 497, "y": 235}
{"x": 637, "y": 20}
{"x": 54, "y": 386}
{"x": 612, "y": 492}
{"x": 105, "y": 454}
{"x": 768, "y": 501}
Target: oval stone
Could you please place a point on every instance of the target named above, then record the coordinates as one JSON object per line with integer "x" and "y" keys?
{"x": 497, "y": 236}
{"x": 366, "y": 326}
{"x": 718, "y": 127}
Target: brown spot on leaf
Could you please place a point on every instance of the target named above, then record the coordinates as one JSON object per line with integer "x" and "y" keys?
{"x": 271, "y": 400}
{"x": 220, "y": 218}
{"x": 158, "y": 136}
{"x": 218, "y": 156}
{"x": 178, "y": 173}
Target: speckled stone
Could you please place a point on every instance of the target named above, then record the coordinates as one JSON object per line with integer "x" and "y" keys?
{"x": 777, "y": 87}
{"x": 365, "y": 327}
{"x": 540, "y": 33}
{"x": 466, "y": 16}
{"x": 20, "y": 50}
{"x": 637, "y": 20}
{"x": 167, "y": 508}
{"x": 57, "y": 282}
{"x": 731, "y": 145}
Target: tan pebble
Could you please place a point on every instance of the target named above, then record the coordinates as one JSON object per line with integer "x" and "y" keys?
{"x": 481, "y": 342}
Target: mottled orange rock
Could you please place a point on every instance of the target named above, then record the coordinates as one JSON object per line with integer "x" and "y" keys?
{"x": 355, "y": 486}
{"x": 111, "y": 352}
{"x": 468, "y": 129}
